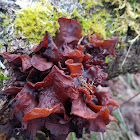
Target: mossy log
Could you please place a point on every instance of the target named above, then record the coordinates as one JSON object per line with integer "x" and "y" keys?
{"x": 128, "y": 62}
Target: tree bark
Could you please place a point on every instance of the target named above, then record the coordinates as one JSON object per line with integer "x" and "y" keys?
{"x": 131, "y": 62}
{"x": 5, "y": 4}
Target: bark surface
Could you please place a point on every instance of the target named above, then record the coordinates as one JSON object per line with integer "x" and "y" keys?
{"x": 128, "y": 62}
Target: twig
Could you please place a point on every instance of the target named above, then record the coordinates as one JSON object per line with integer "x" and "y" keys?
{"x": 112, "y": 129}
{"x": 130, "y": 99}
{"x": 131, "y": 44}
{"x": 126, "y": 55}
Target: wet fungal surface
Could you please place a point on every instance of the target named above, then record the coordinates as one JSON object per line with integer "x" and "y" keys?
{"x": 55, "y": 87}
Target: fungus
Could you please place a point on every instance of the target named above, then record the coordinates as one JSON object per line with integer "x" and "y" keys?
{"x": 55, "y": 90}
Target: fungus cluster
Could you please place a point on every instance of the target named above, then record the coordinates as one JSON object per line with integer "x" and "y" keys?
{"x": 55, "y": 89}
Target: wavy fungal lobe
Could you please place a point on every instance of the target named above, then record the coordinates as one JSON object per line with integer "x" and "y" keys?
{"x": 55, "y": 87}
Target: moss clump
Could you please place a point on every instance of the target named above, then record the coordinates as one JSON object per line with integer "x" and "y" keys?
{"x": 120, "y": 16}
{"x": 33, "y": 21}
{"x": 2, "y": 77}
{"x": 127, "y": 18}
{"x": 105, "y": 17}
{"x": 94, "y": 21}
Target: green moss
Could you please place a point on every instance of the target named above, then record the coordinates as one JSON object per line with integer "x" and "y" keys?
{"x": 2, "y": 77}
{"x": 6, "y": 20}
{"x": 32, "y": 22}
{"x": 91, "y": 3}
{"x": 92, "y": 23}
{"x": 105, "y": 17}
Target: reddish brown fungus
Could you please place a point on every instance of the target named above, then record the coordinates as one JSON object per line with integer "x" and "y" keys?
{"x": 56, "y": 89}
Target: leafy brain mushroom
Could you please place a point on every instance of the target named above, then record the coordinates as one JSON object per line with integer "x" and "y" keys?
{"x": 55, "y": 89}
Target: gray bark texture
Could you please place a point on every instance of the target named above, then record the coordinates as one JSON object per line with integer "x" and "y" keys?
{"x": 5, "y": 4}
